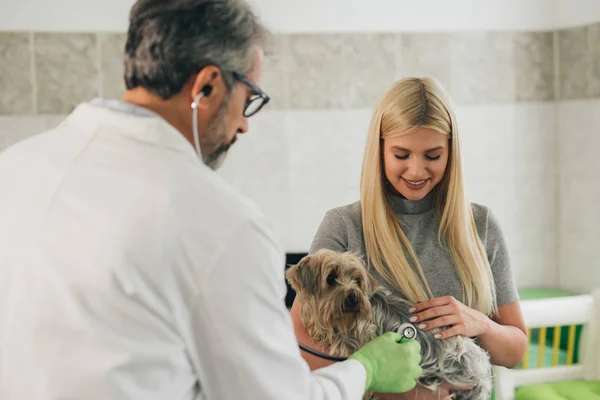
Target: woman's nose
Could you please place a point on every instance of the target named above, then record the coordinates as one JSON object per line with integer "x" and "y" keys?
{"x": 415, "y": 168}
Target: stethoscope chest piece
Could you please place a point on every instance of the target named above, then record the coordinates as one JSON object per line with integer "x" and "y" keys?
{"x": 408, "y": 331}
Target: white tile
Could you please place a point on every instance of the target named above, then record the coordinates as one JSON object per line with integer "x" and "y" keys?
{"x": 326, "y": 150}
{"x": 508, "y": 140}
{"x": 487, "y": 137}
{"x": 534, "y": 269}
{"x": 579, "y": 210}
{"x": 529, "y": 235}
{"x": 494, "y": 193}
{"x": 258, "y": 166}
{"x": 580, "y": 267}
{"x": 510, "y": 168}
{"x": 535, "y": 140}
{"x": 533, "y": 221}
{"x": 295, "y": 165}
{"x": 528, "y": 223}
{"x": 579, "y": 187}
{"x": 579, "y": 136}
{"x": 572, "y": 122}
{"x": 535, "y": 200}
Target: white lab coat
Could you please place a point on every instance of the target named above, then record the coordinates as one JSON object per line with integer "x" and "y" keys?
{"x": 130, "y": 270}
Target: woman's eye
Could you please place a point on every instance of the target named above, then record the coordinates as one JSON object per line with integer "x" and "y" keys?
{"x": 401, "y": 157}
{"x": 430, "y": 158}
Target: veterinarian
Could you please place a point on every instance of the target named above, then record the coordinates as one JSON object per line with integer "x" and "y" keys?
{"x": 421, "y": 237}
{"x": 128, "y": 268}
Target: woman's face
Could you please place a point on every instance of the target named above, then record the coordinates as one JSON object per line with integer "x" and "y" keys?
{"x": 415, "y": 163}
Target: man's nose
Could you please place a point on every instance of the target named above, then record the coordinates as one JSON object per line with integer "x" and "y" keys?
{"x": 244, "y": 126}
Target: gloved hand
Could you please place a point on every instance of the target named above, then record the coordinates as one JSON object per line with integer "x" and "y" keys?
{"x": 392, "y": 363}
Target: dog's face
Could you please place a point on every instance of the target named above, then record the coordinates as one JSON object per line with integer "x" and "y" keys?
{"x": 336, "y": 288}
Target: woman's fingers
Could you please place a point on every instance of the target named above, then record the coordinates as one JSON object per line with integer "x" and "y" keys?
{"x": 440, "y": 322}
{"x": 432, "y": 313}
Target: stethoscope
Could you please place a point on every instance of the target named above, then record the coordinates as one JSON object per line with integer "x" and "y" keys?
{"x": 408, "y": 331}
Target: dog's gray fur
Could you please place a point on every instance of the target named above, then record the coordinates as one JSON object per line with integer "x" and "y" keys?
{"x": 458, "y": 360}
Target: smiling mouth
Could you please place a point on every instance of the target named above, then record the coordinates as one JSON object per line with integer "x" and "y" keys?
{"x": 415, "y": 183}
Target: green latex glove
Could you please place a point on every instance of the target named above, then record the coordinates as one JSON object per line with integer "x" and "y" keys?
{"x": 392, "y": 363}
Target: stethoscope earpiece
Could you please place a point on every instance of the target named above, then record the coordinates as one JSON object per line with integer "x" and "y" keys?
{"x": 206, "y": 90}
{"x": 194, "y": 106}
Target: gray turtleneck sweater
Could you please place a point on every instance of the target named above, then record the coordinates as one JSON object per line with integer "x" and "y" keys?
{"x": 341, "y": 230}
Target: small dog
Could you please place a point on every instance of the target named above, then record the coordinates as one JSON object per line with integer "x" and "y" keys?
{"x": 343, "y": 308}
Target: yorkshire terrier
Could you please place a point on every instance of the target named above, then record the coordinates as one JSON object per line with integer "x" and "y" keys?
{"x": 343, "y": 308}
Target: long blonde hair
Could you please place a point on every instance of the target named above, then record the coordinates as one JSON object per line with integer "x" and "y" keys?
{"x": 421, "y": 103}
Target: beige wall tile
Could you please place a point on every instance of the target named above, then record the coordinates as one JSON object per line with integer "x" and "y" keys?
{"x": 340, "y": 71}
{"x": 16, "y": 94}
{"x": 66, "y": 70}
{"x": 534, "y": 66}
{"x": 573, "y": 63}
{"x": 112, "y": 50}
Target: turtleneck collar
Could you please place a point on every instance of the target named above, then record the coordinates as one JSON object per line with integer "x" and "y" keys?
{"x": 401, "y": 205}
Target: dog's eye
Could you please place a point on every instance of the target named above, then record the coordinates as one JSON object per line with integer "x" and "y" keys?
{"x": 331, "y": 279}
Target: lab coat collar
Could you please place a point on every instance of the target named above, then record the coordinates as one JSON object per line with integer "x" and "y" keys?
{"x": 142, "y": 125}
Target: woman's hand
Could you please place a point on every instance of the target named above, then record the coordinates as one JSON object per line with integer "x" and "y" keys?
{"x": 447, "y": 311}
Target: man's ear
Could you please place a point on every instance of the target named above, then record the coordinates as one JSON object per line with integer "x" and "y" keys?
{"x": 304, "y": 276}
{"x": 210, "y": 82}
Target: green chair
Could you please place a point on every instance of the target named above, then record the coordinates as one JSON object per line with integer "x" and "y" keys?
{"x": 552, "y": 293}
{"x": 535, "y": 293}
{"x": 564, "y": 390}
{"x": 551, "y": 369}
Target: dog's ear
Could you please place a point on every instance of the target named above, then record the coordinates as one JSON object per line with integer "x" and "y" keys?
{"x": 303, "y": 277}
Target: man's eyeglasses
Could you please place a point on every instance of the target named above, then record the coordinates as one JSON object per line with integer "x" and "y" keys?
{"x": 257, "y": 100}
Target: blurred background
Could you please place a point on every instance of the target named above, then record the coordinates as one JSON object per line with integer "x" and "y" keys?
{"x": 525, "y": 75}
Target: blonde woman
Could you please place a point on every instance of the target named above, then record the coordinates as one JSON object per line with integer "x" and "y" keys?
{"x": 419, "y": 233}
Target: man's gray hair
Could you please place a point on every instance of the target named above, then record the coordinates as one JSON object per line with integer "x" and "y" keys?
{"x": 168, "y": 41}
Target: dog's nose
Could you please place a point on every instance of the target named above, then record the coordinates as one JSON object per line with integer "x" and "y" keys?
{"x": 351, "y": 303}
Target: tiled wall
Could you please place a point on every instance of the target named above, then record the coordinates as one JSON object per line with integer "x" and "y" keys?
{"x": 303, "y": 153}
{"x": 579, "y": 62}
{"x": 49, "y": 73}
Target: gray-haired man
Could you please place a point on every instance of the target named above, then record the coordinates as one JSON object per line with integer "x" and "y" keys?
{"x": 128, "y": 268}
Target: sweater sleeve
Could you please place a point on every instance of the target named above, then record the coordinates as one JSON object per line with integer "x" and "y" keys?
{"x": 332, "y": 233}
{"x": 499, "y": 259}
